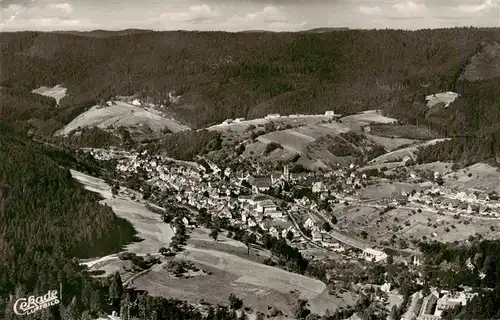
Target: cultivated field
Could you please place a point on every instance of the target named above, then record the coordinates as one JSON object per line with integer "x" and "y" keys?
{"x": 58, "y": 92}
{"x": 122, "y": 114}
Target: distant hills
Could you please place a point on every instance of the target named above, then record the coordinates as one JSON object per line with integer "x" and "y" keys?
{"x": 323, "y": 30}
{"x": 104, "y": 33}
{"x": 220, "y": 75}
{"x": 315, "y": 30}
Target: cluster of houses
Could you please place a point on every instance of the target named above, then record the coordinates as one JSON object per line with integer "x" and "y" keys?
{"x": 275, "y": 116}
{"x": 460, "y": 202}
{"x": 198, "y": 189}
{"x": 195, "y": 187}
{"x": 433, "y": 305}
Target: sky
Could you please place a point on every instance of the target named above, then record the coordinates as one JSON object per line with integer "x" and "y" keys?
{"x": 238, "y": 15}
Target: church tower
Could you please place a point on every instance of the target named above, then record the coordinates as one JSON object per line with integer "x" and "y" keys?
{"x": 286, "y": 173}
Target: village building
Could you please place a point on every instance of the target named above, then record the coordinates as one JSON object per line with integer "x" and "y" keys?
{"x": 318, "y": 186}
{"x": 428, "y": 307}
{"x": 370, "y": 254}
{"x": 260, "y": 184}
{"x": 272, "y": 116}
{"x": 399, "y": 199}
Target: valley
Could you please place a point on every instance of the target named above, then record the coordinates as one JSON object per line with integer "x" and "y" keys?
{"x": 319, "y": 175}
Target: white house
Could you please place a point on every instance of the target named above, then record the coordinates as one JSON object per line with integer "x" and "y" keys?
{"x": 316, "y": 236}
{"x": 274, "y": 232}
{"x": 265, "y": 205}
{"x": 374, "y": 255}
{"x": 318, "y": 187}
{"x": 449, "y": 301}
{"x": 386, "y": 287}
{"x": 273, "y": 116}
{"x": 309, "y": 223}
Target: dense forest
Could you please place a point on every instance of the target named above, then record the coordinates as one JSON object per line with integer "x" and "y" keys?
{"x": 225, "y": 75}
{"x": 48, "y": 220}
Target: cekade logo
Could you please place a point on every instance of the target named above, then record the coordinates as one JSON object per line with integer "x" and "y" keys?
{"x": 33, "y": 304}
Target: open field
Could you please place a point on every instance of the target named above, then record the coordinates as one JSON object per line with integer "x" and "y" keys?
{"x": 443, "y": 97}
{"x": 384, "y": 189}
{"x": 122, "y": 114}
{"x": 258, "y": 285}
{"x": 323, "y": 129}
{"x": 389, "y": 144}
{"x": 442, "y": 167}
{"x": 294, "y": 121}
{"x": 407, "y": 131}
{"x": 148, "y": 225}
{"x": 379, "y": 166}
{"x": 290, "y": 140}
{"x": 483, "y": 177}
{"x": 257, "y": 149}
{"x": 233, "y": 271}
{"x": 199, "y": 238}
{"x": 58, "y": 92}
{"x": 399, "y": 154}
{"x": 357, "y": 121}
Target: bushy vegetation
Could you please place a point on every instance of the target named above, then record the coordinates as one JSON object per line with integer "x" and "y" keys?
{"x": 290, "y": 257}
{"x": 270, "y": 147}
{"x": 143, "y": 306}
{"x": 186, "y": 145}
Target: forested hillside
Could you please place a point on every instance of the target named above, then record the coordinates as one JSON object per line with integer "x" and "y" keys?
{"x": 226, "y": 75}
{"x": 222, "y": 75}
{"x": 47, "y": 220}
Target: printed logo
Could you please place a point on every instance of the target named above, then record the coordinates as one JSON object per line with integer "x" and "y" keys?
{"x": 33, "y": 304}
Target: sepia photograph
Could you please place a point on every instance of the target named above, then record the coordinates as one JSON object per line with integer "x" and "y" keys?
{"x": 249, "y": 159}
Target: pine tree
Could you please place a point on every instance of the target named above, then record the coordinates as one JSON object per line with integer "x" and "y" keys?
{"x": 116, "y": 290}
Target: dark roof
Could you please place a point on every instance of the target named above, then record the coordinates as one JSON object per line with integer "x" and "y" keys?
{"x": 260, "y": 198}
{"x": 276, "y": 175}
{"x": 260, "y": 182}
